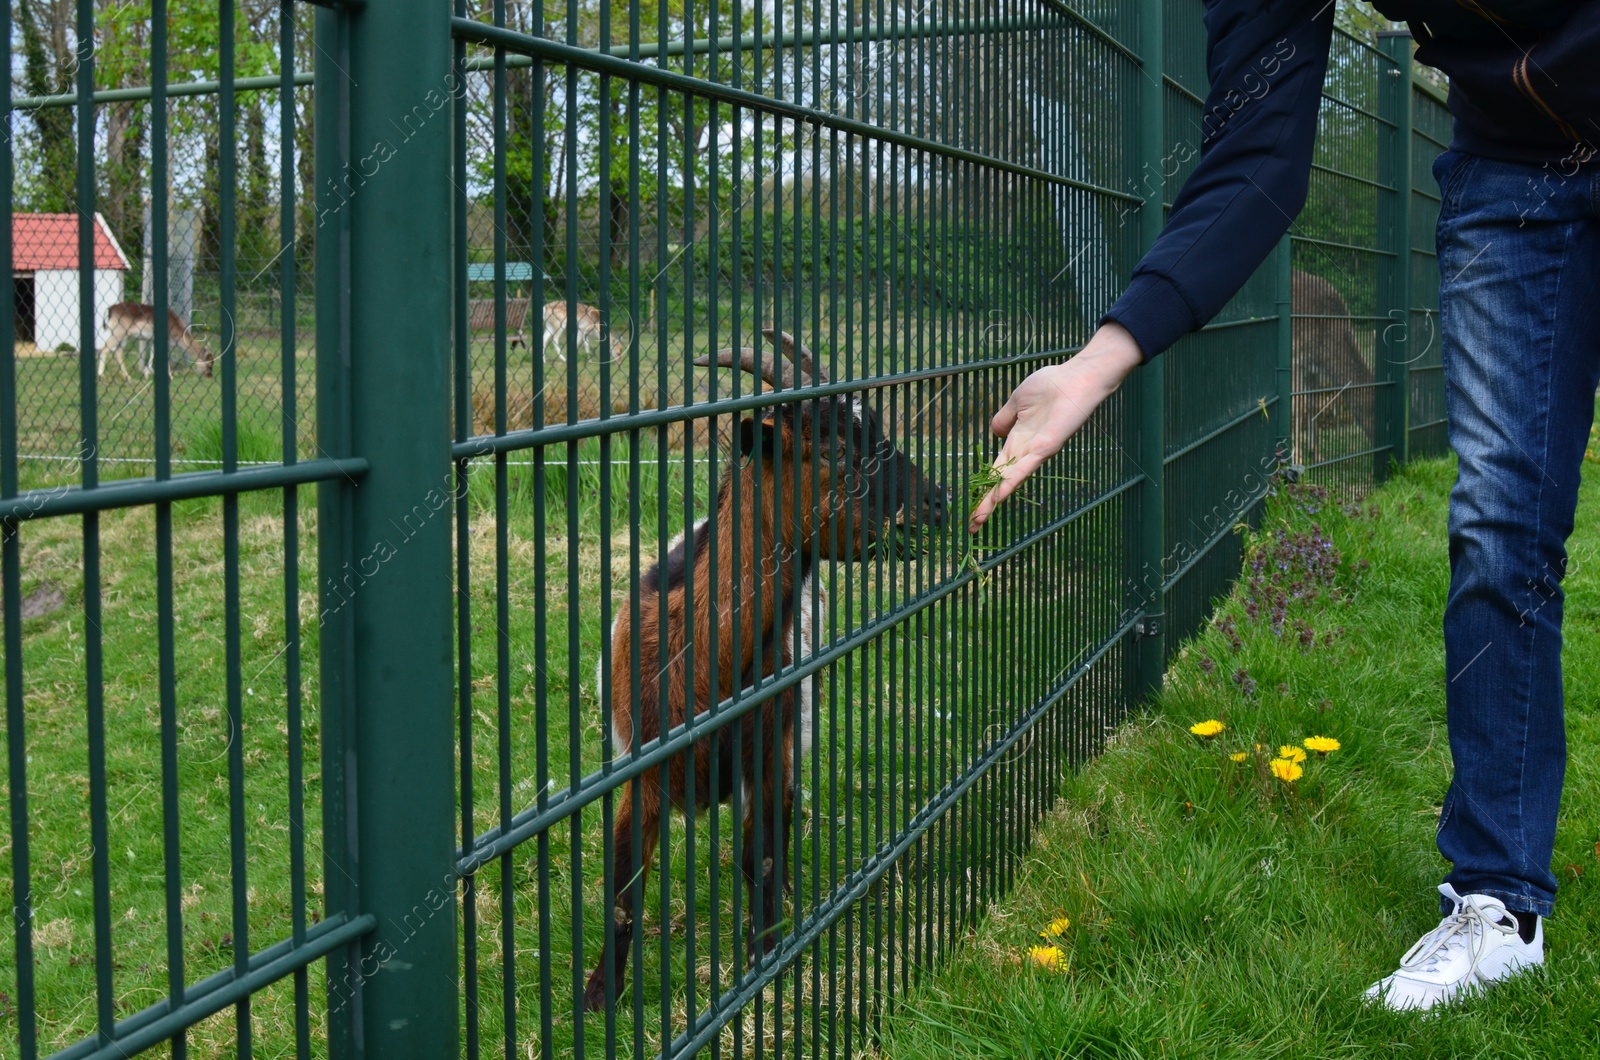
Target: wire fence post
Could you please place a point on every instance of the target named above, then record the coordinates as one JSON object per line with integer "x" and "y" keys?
{"x": 1152, "y": 389}
{"x": 384, "y": 87}
{"x": 1393, "y": 349}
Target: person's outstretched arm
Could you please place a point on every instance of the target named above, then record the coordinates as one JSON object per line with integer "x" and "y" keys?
{"x": 1266, "y": 59}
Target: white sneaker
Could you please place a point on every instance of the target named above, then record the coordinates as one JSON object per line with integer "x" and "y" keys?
{"x": 1473, "y": 946}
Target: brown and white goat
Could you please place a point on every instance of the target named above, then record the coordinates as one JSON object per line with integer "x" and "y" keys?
{"x": 135, "y": 322}
{"x": 815, "y": 479}
{"x": 1332, "y": 382}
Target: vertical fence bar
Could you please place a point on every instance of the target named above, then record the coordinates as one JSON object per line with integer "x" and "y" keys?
{"x": 166, "y": 642}
{"x": 384, "y": 86}
{"x": 1151, "y": 389}
{"x": 11, "y": 594}
{"x": 17, "y": 762}
{"x": 93, "y": 628}
{"x": 1283, "y": 428}
{"x": 502, "y": 576}
{"x": 341, "y": 891}
{"x": 228, "y": 340}
{"x": 8, "y": 320}
{"x": 89, "y": 437}
{"x": 463, "y": 527}
{"x": 289, "y": 338}
{"x": 1393, "y": 349}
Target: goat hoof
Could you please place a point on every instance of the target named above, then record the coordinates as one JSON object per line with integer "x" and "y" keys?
{"x": 594, "y": 996}
{"x": 761, "y": 945}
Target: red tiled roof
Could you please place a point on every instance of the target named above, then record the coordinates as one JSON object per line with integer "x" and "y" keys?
{"x": 50, "y": 241}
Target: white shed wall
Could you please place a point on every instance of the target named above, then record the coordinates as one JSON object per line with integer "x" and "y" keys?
{"x": 55, "y": 309}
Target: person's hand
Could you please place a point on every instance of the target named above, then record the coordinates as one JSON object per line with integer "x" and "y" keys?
{"x": 1050, "y": 405}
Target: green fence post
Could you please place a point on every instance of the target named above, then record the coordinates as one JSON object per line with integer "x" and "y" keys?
{"x": 384, "y": 93}
{"x": 1151, "y": 392}
{"x": 1392, "y": 351}
{"x": 1284, "y": 427}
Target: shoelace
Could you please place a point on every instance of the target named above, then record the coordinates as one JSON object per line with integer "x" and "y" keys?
{"x": 1468, "y": 920}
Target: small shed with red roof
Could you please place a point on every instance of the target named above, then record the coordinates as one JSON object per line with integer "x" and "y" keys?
{"x": 44, "y": 263}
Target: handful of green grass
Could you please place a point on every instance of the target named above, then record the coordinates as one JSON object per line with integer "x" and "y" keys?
{"x": 980, "y": 485}
{"x": 921, "y": 539}
{"x": 983, "y": 482}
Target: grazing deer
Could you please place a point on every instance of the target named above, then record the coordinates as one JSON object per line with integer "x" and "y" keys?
{"x": 135, "y": 322}
{"x": 1332, "y": 382}
{"x": 586, "y": 321}
{"x": 812, "y": 476}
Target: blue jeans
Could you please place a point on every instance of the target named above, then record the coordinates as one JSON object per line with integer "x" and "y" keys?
{"x": 1519, "y": 305}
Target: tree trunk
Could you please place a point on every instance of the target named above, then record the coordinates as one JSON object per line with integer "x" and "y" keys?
{"x": 258, "y": 220}
{"x": 520, "y": 187}
{"x": 210, "y": 249}
{"x": 48, "y": 68}
{"x": 127, "y": 132}
{"x": 125, "y": 176}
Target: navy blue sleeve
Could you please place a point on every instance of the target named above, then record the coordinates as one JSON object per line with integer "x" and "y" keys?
{"x": 1266, "y": 61}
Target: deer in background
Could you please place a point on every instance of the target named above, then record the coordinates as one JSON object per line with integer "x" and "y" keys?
{"x": 135, "y": 322}
{"x": 1332, "y": 382}
{"x": 559, "y": 316}
{"x": 816, "y": 476}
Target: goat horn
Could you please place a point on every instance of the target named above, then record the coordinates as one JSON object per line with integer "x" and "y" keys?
{"x": 768, "y": 366}
{"x": 797, "y": 353}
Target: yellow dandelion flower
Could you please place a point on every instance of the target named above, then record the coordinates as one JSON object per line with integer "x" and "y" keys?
{"x": 1292, "y": 753}
{"x": 1207, "y": 729}
{"x": 1056, "y": 928}
{"x": 1322, "y": 744}
{"x": 1239, "y": 756}
{"x": 1286, "y": 770}
{"x": 1047, "y": 957}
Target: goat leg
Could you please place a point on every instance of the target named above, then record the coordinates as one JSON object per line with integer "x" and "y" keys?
{"x": 764, "y": 848}
{"x": 791, "y": 781}
{"x": 630, "y": 874}
{"x": 763, "y": 872}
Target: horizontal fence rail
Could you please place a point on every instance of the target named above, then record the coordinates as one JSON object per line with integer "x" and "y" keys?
{"x": 650, "y": 692}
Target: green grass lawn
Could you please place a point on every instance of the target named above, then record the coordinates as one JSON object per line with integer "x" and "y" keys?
{"x": 1217, "y": 911}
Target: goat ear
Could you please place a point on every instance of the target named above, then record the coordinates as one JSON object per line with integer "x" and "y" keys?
{"x": 759, "y": 438}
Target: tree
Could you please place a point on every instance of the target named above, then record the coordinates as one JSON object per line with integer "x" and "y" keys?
{"x": 49, "y": 64}
{"x": 122, "y": 61}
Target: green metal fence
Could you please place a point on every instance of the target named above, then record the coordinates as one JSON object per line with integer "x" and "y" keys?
{"x": 858, "y": 707}
{"x": 1425, "y": 135}
{"x": 1363, "y": 285}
